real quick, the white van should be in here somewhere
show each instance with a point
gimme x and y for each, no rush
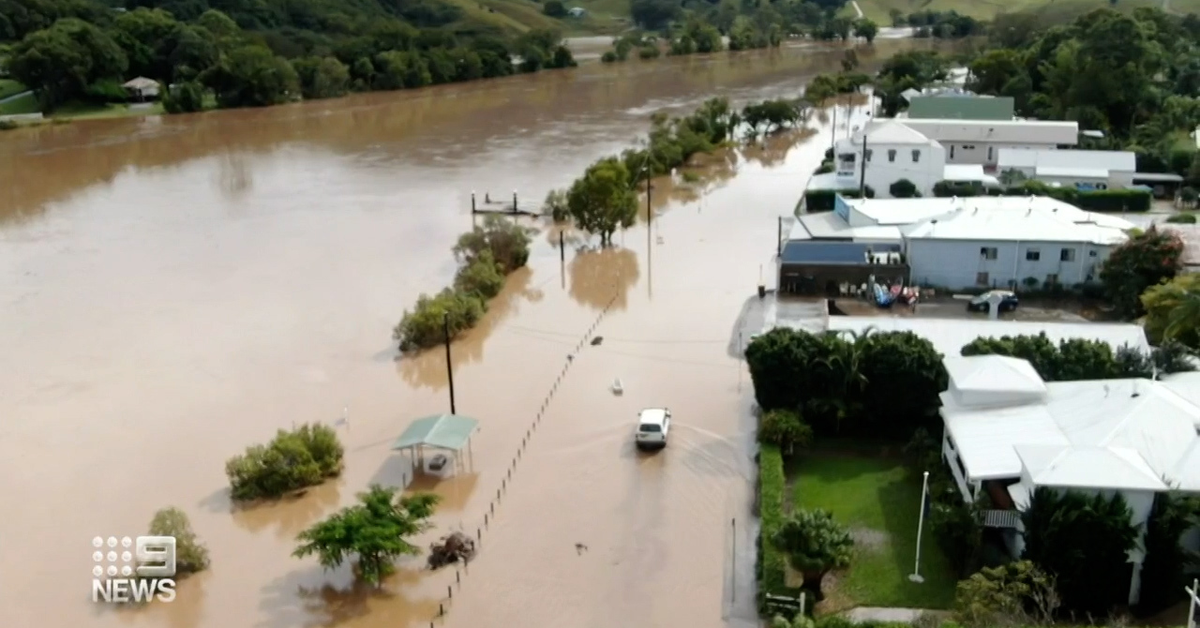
(653, 426)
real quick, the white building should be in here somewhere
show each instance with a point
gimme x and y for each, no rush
(1010, 242)
(1009, 433)
(976, 242)
(893, 152)
(1093, 169)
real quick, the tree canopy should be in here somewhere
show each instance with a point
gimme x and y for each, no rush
(815, 544)
(374, 532)
(1173, 310)
(258, 53)
(1145, 260)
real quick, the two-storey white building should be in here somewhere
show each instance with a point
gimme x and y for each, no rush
(890, 151)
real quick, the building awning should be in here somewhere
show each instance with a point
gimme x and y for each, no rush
(443, 431)
(1157, 177)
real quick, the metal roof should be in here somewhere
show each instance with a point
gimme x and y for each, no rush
(1071, 173)
(1105, 160)
(967, 172)
(1124, 433)
(831, 253)
(961, 107)
(444, 431)
(1037, 132)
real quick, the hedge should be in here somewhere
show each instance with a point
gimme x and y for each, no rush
(1091, 200)
(772, 485)
(823, 200)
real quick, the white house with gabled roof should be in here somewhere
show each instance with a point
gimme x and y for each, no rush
(893, 151)
(980, 141)
(1008, 433)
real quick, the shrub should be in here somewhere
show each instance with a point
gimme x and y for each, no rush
(1084, 543)
(1013, 595)
(555, 205)
(649, 51)
(772, 484)
(507, 241)
(1182, 219)
(186, 97)
(1079, 358)
(608, 57)
(823, 200)
(959, 532)
(190, 554)
(1142, 261)
(815, 544)
(904, 189)
(482, 278)
(1091, 200)
(430, 319)
(784, 429)
(303, 457)
(1163, 577)
(554, 8)
(7, 125)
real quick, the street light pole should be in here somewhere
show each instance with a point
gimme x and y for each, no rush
(449, 366)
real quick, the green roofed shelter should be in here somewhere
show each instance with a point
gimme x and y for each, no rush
(450, 432)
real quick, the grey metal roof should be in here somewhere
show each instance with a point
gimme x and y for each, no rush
(831, 253)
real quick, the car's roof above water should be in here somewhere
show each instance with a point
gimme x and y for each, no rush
(656, 416)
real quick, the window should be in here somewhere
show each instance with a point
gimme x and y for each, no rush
(1051, 279)
(990, 149)
(1092, 254)
(1032, 255)
(1066, 255)
(649, 428)
(988, 252)
(968, 147)
(981, 279)
(952, 151)
(891, 155)
(869, 153)
(916, 156)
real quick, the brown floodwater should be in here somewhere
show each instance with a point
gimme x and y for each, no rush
(174, 289)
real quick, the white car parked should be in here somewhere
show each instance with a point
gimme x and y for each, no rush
(653, 426)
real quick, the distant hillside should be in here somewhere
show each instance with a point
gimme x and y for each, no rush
(1053, 11)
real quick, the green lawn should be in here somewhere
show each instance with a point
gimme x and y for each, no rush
(8, 87)
(880, 503)
(22, 104)
(76, 110)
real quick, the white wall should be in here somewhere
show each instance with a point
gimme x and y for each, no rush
(882, 172)
(977, 152)
(955, 264)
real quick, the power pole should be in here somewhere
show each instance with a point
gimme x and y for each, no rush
(449, 366)
(862, 181)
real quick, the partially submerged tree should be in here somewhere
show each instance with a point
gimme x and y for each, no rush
(303, 457)
(190, 554)
(603, 201)
(374, 532)
(815, 544)
(785, 429)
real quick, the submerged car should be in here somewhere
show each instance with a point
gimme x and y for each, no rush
(1008, 301)
(653, 426)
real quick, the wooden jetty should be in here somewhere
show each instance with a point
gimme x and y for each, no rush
(489, 206)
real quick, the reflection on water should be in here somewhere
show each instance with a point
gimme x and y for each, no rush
(178, 288)
(597, 276)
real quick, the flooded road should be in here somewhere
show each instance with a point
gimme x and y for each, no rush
(175, 289)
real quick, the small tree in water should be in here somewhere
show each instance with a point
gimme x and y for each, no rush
(815, 545)
(603, 201)
(190, 554)
(376, 531)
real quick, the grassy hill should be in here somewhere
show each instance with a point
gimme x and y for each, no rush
(603, 16)
(1052, 11)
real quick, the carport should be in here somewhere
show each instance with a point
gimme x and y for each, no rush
(818, 268)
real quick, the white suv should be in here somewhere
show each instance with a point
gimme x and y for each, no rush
(652, 429)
